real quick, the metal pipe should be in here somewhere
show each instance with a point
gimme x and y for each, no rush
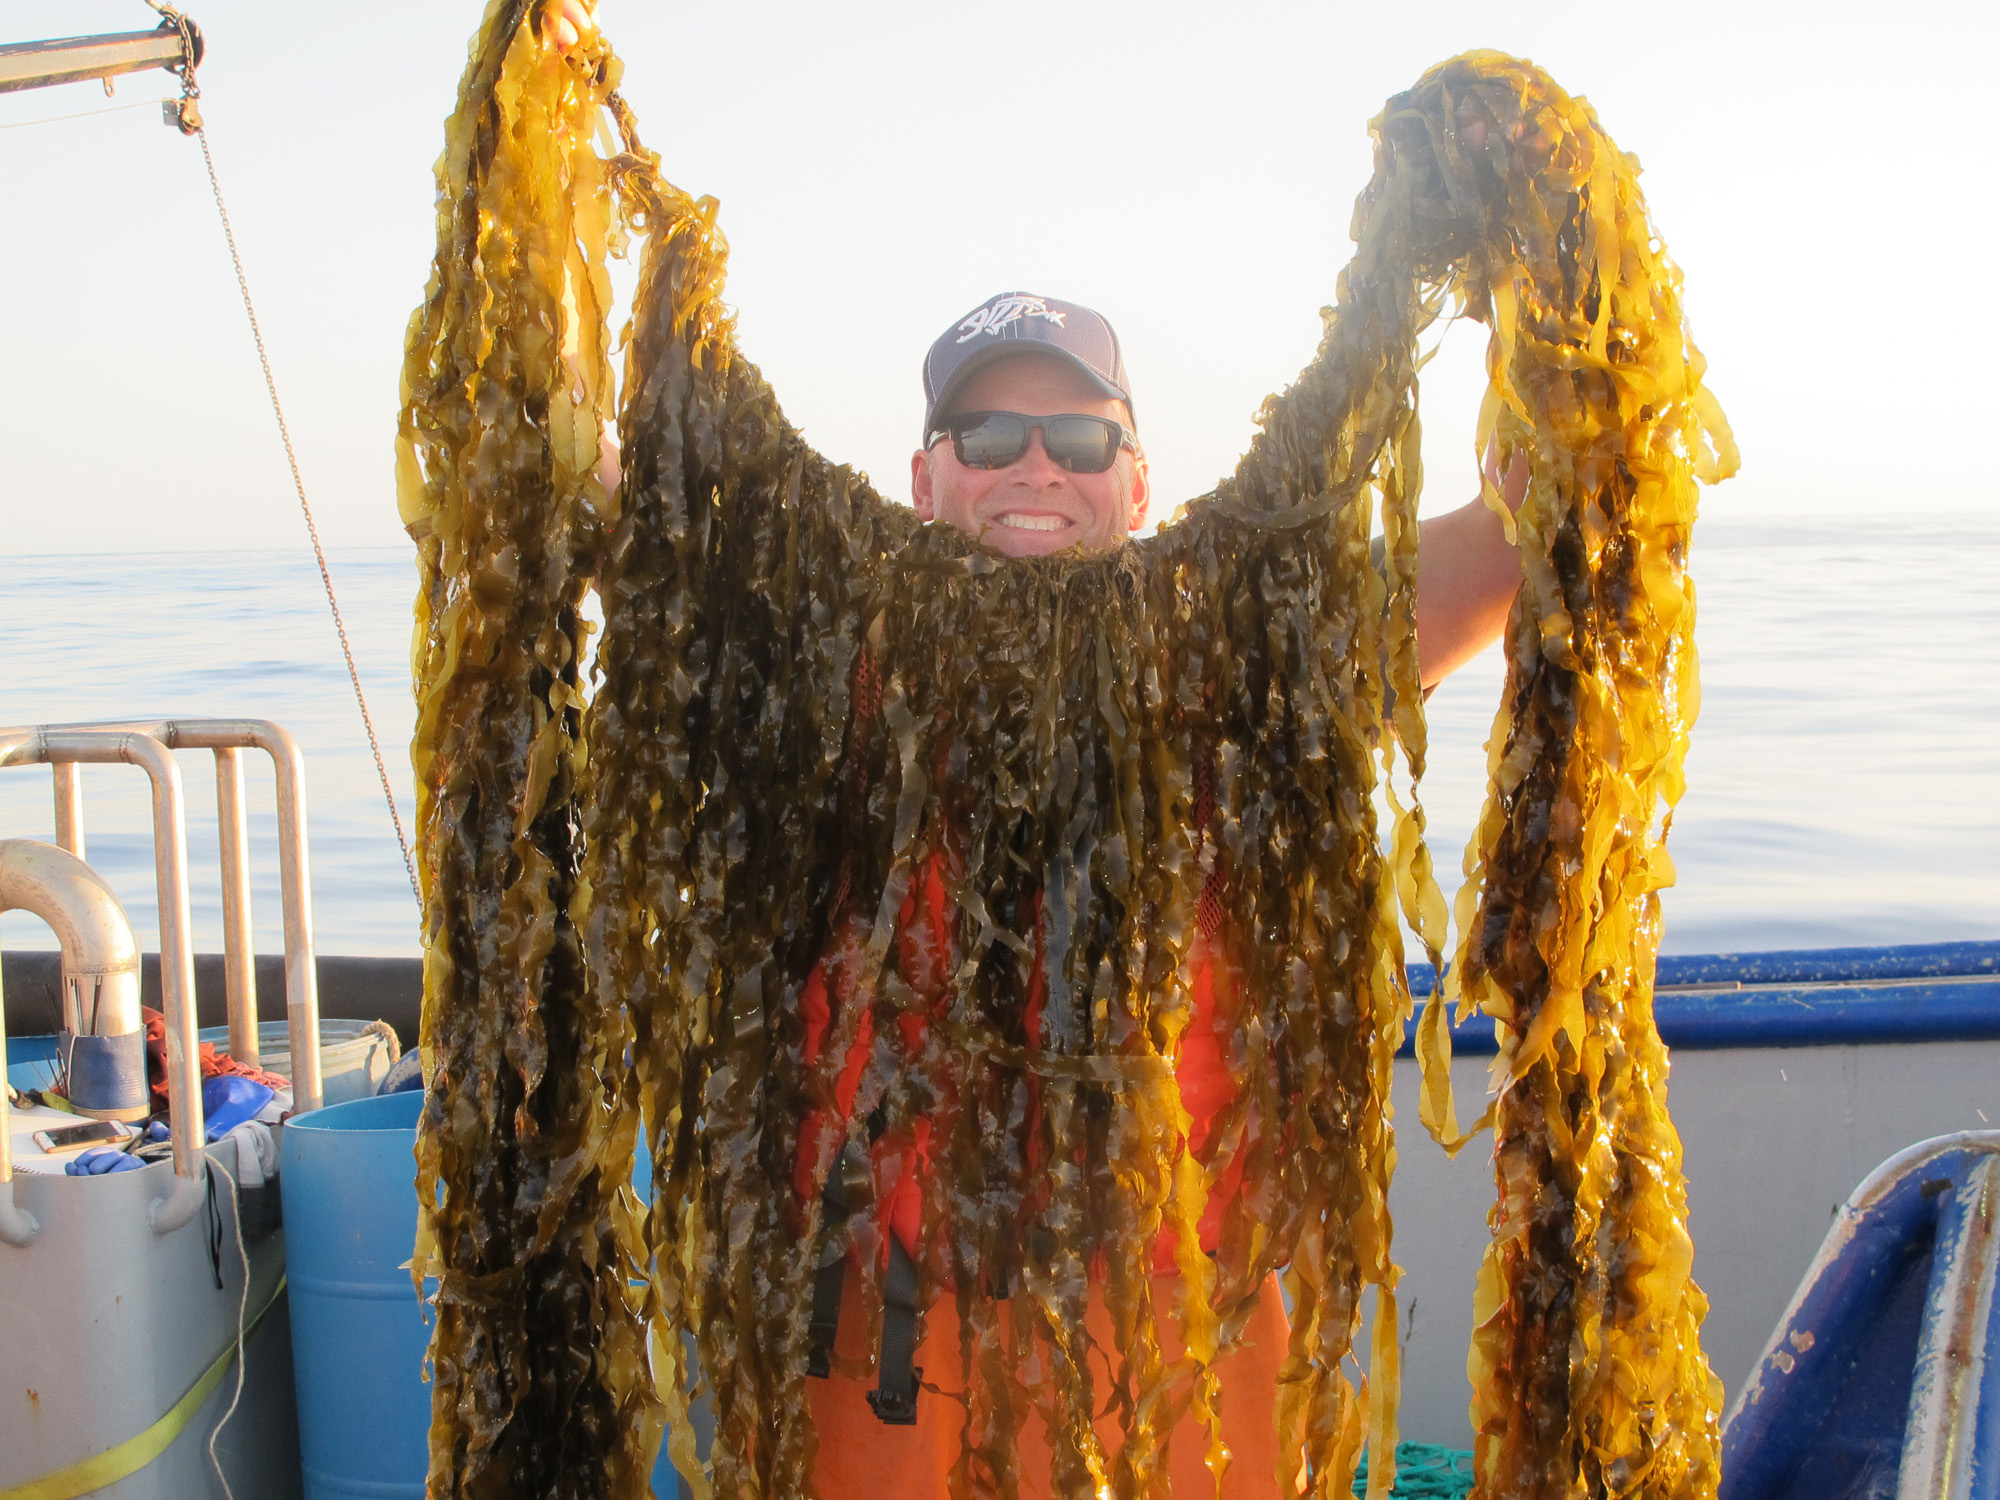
(294, 876)
(100, 960)
(294, 869)
(69, 808)
(18, 1227)
(38, 746)
(1943, 1448)
(294, 864)
(78, 59)
(239, 954)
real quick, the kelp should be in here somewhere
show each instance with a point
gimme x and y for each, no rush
(1586, 1364)
(538, 1356)
(1036, 728)
(807, 708)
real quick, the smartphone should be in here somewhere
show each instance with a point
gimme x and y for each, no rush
(76, 1137)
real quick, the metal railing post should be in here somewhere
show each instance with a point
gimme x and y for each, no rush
(239, 953)
(69, 807)
(294, 871)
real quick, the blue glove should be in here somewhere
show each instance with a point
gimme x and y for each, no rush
(100, 1160)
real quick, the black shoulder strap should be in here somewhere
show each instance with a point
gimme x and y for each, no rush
(895, 1398)
(825, 1326)
(846, 1189)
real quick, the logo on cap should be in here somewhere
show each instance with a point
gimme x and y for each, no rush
(998, 313)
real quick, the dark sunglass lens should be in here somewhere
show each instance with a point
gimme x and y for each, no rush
(989, 440)
(1083, 445)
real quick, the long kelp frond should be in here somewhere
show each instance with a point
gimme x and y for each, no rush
(1587, 1370)
(523, 1162)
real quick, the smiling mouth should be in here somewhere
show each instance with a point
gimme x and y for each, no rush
(1017, 521)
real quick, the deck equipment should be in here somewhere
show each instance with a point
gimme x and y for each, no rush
(128, 1299)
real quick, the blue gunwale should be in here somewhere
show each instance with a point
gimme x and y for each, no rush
(1808, 997)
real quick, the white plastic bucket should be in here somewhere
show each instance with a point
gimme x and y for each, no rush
(352, 1057)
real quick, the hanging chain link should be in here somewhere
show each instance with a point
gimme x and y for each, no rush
(185, 113)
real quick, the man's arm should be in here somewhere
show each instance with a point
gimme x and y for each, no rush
(1467, 576)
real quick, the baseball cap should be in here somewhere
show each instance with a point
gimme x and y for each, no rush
(1018, 323)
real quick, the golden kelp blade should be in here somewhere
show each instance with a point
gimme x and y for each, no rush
(540, 1377)
(1587, 1371)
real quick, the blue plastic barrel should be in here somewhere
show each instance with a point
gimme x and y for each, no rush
(358, 1331)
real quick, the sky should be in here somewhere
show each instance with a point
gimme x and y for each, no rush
(1823, 174)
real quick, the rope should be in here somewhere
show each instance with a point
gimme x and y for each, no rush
(85, 114)
(242, 1309)
(191, 124)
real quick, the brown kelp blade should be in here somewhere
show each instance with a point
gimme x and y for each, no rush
(1588, 1376)
(538, 1357)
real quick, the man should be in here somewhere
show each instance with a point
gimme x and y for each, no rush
(1033, 356)
(1030, 444)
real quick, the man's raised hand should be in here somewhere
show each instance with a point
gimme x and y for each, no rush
(576, 23)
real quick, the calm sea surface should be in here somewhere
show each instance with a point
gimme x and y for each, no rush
(1844, 785)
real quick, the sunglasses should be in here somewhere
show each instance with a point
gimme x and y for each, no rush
(996, 439)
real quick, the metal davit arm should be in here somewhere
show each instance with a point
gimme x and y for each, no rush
(77, 59)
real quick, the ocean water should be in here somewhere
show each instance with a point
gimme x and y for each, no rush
(1844, 782)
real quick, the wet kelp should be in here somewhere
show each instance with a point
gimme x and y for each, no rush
(539, 1355)
(1587, 1371)
(810, 709)
(808, 703)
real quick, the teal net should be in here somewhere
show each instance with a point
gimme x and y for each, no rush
(1425, 1471)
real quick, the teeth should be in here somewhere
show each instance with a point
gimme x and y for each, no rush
(1033, 523)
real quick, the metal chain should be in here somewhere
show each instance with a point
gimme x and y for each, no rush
(188, 117)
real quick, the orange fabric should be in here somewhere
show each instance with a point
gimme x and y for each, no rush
(925, 950)
(861, 1458)
(900, 1161)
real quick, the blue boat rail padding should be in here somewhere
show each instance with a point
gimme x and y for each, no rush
(1883, 1376)
(1815, 997)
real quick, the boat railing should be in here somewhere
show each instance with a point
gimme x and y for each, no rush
(149, 744)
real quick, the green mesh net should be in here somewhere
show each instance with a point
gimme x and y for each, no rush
(1425, 1471)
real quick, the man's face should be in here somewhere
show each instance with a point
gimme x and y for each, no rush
(1034, 506)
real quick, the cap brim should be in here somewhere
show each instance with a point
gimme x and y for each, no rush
(1015, 349)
